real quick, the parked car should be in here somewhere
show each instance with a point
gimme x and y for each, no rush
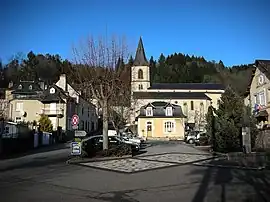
(202, 139)
(129, 136)
(191, 137)
(94, 144)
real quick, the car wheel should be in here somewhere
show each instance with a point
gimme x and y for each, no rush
(191, 141)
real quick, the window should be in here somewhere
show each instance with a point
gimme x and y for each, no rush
(6, 130)
(52, 91)
(140, 86)
(19, 106)
(149, 111)
(30, 87)
(140, 74)
(85, 128)
(82, 110)
(260, 98)
(88, 112)
(20, 87)
(191, 105)
(18, 119)
(169, 127)
(169, 111)
(260, 79)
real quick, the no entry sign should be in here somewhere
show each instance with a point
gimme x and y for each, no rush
(75, 120)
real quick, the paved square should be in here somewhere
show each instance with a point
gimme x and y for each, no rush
(128, 165)
(176, 158)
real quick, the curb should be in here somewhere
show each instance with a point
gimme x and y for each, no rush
(76, 161)
(229, 167)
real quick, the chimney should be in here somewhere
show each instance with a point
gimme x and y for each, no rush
(62, 83)
(10, 85)
(41, 84)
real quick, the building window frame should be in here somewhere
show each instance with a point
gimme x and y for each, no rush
(191, 105)
(169, 111)
(169, 126)
(140, 74)
(149, 111)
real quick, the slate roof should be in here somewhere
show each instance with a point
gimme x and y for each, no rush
(171, 95)
(188, 86)
(25, 88)
(159, 110)
(58, 96)
(140, 58)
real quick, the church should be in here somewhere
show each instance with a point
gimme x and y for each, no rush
(167, 109)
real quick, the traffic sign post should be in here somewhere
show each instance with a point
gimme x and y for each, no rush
(76, 144)
(76, 148)
(75, 120)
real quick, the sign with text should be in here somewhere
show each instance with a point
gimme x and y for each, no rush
(76, 148)
(80, 133)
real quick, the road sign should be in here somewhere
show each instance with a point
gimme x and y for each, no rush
(75, 120)
(76, 148)
(80, 133)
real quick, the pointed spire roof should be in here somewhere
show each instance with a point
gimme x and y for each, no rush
(140, 59)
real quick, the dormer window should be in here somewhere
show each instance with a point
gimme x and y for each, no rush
(149, 111)
(30, 87)
(52, 91)
(20, 86)
(169, 111)
(261, 79)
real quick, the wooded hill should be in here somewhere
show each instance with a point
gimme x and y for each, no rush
(175, 68)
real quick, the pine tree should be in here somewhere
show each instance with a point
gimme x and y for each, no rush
(228, 122)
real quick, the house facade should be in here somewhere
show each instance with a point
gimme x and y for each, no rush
(193, 98)
(28, 100)
(161, 120)
(258, 93)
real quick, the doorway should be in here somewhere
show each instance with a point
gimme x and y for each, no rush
(149, 128)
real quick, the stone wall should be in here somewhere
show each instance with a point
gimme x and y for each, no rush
(263, 139)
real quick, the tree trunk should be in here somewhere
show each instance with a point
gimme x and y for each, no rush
(105, 124)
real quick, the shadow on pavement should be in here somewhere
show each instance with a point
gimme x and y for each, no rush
(221, 178)
(37, 162)
(36, 151)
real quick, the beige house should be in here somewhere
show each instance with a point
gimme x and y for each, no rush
(193, 98)
(258, 93)
(161, 120)
(28, 100)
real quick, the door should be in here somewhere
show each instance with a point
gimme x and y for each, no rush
(149, 129)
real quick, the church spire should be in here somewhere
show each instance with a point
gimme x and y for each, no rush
(140, 59)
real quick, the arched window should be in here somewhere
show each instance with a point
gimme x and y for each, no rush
(140, 74)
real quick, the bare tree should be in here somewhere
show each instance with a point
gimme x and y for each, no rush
(97, 77)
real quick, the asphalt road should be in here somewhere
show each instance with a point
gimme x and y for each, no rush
(46, 177)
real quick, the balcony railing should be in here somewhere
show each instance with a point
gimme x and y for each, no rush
(53, 112)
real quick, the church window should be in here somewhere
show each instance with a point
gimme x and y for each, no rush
(191, 105)
(140, 86)
(140, 74)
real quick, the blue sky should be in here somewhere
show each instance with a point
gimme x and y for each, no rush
(234, 31)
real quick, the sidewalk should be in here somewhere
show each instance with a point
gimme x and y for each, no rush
(42, 154)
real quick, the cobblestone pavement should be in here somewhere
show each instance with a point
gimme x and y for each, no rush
(146, 163)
